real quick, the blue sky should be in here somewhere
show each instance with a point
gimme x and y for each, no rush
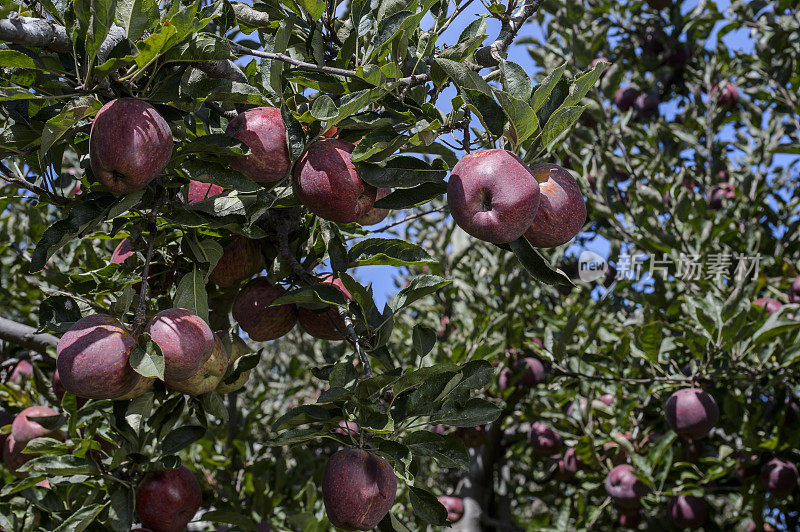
(382, 278)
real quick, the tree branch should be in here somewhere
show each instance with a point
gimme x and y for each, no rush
(10, 178)
(152, 227)
(25, 336)
(492, 54)
(302, 65)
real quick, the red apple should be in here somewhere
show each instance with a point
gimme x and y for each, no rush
(687, 511)
(525, 373)
(240, 260)
(625, 488)
(768, 304)
(493, 195)
(376, 214)
(544, 439)
(646, 105)
(453, 505)
(327, 183)
(624, 98)
(92, 358)
(186, 342)
(358, 489)
(778, 477)
(561, 212)
(325, 323)
(129, 145)
(199, 191)
(167, 500)
(725, 93)
(22, 371)
(252, 311)
(263, 131)
(692, 413)
(630, 520)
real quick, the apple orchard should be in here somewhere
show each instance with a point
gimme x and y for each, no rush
(195, 193)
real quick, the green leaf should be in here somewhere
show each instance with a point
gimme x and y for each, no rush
(547, 85)
(382, 141)
(137, 16)
(323, 108)
(73, 112)
(387, 251)
(102, 19)
(520, 114)
(229, 517)
(423, 338)
(200, 47)
(516, 81)
(560, 121)
(59, 465)
(536, 265)
(191, 293)
(80, 219)
(463, 77)
(146, 358)
(474, 412)
(427, 507)
(583, 84)
(314, 8)
(401, 171)
(419, 287)
(448, 451)
(181, 438)
(120, 511)
(81, 519)
(15, 59)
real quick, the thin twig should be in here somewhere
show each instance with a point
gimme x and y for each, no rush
(152, 227)
(408, 219)
(10, 178)
(302, 65)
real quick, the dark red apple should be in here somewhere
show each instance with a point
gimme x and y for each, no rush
(326, 323)
(692, 413)
(92, 358)
(570, 463)
(22, 371)
(240, 260)
(544, 440)
(208, 376)
(358, 489)
(326, 181)
(347, 428)
(630, 520)
(769, 305)
(167, 500)
(561, 212)
(186, 341)
(199, 191)
(778, 477)
(129, 144)
(747, 465)
(493, 195)
(794, 291)
(725, 93)
(721, 193)
(263, 131)
(376, 214)
(687, 511)
(253, 313)
(453, 505)
(525, 373)
(624, 98)
(625, 488)
(646, 105)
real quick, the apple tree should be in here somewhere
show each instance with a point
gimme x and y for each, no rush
(192, 190)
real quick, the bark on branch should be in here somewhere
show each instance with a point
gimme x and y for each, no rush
(25, 336)
(492, 54)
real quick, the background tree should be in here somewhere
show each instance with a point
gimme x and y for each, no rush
(686, 168)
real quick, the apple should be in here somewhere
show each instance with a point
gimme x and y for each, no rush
(328, 184)
(525, 373)
(208, 376)
(22, 371)
(376, 214)
(747, 465)
(570, 463)
(725, 93)
(59, 390)
(186, 342)
(630, 520)
(347, 428)
(625, 488)
(23, 430)
(326, 323)
(129, 145)
(687, 511)
(199, 191)
(720, 193)
(624, 98)
(167, 500)
(240, 260)
(646, 105)
(561, 212)
(493, 195)
(144, 384)
(358, 489)
(238, 348)
(263, 131)
(253, 313)
(794, 291)
(769, 305)
(692, 413)
(453, 505)
(544, 439)
(92, 358)
(778, 477)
